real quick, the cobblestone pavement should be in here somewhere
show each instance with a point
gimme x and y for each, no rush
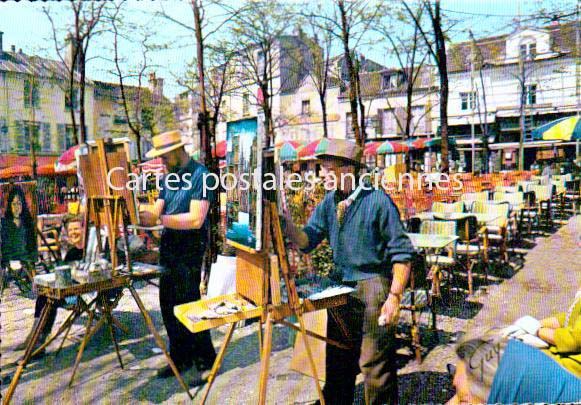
(545, 284)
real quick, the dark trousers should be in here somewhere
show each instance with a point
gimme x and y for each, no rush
(180, 285)
(41, 302)
(373, 348)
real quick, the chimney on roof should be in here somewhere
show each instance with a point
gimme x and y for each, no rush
(13, 48)
(20, 51)
(156, 86)
(70, 50)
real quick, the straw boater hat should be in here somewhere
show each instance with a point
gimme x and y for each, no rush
(164, 143)
(342, 149)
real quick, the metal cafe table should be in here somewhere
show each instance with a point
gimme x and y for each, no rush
(482, 219)
(431, 243)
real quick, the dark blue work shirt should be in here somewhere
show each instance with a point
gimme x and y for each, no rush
(185, 246)
(370, 239)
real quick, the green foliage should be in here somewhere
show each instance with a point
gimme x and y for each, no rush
(301, 204)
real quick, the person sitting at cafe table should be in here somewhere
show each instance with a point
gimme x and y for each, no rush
(74, 252)
(18, 231)
(372, 253)
(531, 361)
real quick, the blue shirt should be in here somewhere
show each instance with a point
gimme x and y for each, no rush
(370, 239)
(185, 246)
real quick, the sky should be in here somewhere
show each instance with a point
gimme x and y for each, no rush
(26, 26)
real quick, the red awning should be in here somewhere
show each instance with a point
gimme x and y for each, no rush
(15, 171)
(9, 160)
(371, 148)
(294, 144)
(68, 157)
(309, 149)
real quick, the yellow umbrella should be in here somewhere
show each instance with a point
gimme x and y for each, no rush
(563, 129)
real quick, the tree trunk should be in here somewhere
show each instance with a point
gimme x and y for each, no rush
(352, 76)
(444, 89)
(205, 146)
(206, 140)
(72, 109)
(324, 111)
(363, 132)
(31, 137)
(82, 118)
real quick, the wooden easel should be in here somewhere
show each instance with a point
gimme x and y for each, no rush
(262, 271)
(104, 208)
(111, 209)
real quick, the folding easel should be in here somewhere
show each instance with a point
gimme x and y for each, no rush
(104, 209)
(258, 281)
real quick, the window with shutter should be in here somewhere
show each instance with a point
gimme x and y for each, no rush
(21, 142)
(4, 139)
(388, 122)
(46, 140)
(61, 136)
(69, 137)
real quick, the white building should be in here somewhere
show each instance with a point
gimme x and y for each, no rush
(542, 59)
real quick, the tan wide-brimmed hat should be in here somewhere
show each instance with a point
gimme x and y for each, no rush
(164, 143)
(342, 149)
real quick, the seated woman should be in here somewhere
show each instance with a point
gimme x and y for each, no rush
(74, 252)
(503, 366)
(18, 232)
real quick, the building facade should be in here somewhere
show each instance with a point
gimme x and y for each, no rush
(493, 79)
(34, 106)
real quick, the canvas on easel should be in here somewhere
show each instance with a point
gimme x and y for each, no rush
(243, 204)
(105, 174)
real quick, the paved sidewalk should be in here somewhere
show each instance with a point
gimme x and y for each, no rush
(546, 284)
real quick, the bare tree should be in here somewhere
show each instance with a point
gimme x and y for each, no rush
(437, 48)
(478, 63)
(208, 85)
(32, 136)
(86, 20)
(319, 65)
(411, 57)
(133, 99)
(349, 22)
(259, 31)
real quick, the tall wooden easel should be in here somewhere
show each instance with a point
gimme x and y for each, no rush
(110, 208)
(258, 280)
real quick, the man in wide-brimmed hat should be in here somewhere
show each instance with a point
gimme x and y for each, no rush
(182, 209)
(371, 253)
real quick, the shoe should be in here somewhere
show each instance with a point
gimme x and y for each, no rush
(167, 372)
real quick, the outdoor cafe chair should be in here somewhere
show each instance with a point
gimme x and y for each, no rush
(507, 189)
(49, 242)
(469, 247)
(529, 214)
(572, 195)
(543, 197)
(469, 198)
(446, 208)
(496, 230)
(516, 203)
(415, 299)
(435, 260)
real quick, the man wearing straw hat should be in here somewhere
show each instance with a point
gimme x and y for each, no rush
(182, 209)
(372, 254)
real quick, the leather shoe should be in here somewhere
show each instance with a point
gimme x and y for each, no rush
(167, 372)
